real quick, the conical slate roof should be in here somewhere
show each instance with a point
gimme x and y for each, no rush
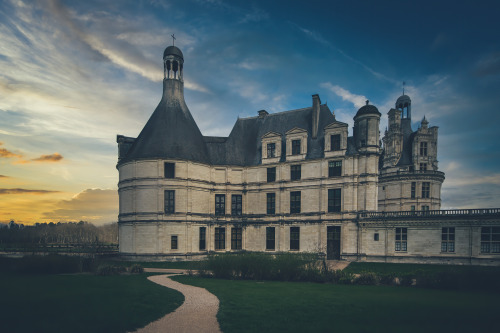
(171, 131)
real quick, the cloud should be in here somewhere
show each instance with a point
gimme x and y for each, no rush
(346, 95)
(256, 15)
(488, 65)
(56, 157)
(5, 191)
(98, 206)
(3, 176)
(7, 153)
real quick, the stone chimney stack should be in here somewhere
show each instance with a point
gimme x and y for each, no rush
(315, 115)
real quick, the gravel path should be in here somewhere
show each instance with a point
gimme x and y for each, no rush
(196, 314)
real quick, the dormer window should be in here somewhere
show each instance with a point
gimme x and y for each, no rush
(295, 147)
(271, 150)
(335, 142)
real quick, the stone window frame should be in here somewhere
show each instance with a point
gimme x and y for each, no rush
(270, 238)
(426, 190)
(448, 239)
(413, 190)
(291, 136)
(334, 170)
(423, 148)
(334, 200)
(271, 174)
(401, 240)
(169, 201)
(295, 202)
(271, 203)
(236, 238)
(490, 239)
(169, 170)
(202, 239)
(236, 204)
(271, 138)
(335, 128)
(174, 242)
(294, 238)
(295, 172)
(220, 238)
(220, 206)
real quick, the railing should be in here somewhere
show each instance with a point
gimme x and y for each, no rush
(430, 213)
(415, 172)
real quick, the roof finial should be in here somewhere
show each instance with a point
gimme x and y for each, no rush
(404, 87)
(173, 39)
(367, 101)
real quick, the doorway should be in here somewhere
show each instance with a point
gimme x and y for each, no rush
(333, 243)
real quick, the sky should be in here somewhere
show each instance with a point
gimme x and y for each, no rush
(74, 74)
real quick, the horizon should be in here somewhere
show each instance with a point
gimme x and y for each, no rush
(74, 75)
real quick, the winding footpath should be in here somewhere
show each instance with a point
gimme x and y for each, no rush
(196, 314)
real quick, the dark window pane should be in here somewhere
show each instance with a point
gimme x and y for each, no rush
(169, 170)
(295, 147)
(236, 237)
(334, 200)
(173, 243)
(271, 203)
(335, 142)
(295, 172)
(294, 238)
(270, 238)
(236, 205)
(271, 174)
(271, 150)
(220, 204)
(334, 168)
(295, 202)
(220, 238)
(203, 238)
(169, 201)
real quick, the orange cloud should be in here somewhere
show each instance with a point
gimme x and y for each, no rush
(4, 191)
(3, 176)
(56, 157)
(7, 153)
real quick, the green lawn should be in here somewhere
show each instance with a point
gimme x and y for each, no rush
(386, 268)
(252, 306)
(82, 303)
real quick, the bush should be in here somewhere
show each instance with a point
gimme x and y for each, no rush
(106, 269)
(367, 279)
(50, 264)
(136, 269)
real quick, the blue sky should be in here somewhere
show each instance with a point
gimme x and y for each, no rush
(73, 74)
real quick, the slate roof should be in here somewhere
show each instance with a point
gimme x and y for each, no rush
(406, 155)
(243, 147)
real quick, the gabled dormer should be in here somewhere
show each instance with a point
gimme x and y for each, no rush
(271, 147)
(335, 139)
(296, 144)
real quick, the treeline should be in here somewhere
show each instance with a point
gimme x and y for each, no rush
(70, 233)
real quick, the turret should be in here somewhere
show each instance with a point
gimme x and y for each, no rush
(366, 129)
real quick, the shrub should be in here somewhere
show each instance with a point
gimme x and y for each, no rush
(367, 278)
(388, 279)
(136, 269)
(106, 269)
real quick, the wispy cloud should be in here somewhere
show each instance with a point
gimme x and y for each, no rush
(346, 95)
(4, 176)
(56, 157)
(5, 191)
(93, 205)
(5, 153)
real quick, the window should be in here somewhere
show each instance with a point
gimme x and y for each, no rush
(173, 242)
(413, 208)
(448, 240)
(169, 170)
(236, 206)
(295, 202)
(334, 168)
(490, 240)
(295, 147)
(294, 238)
(423, 166)
(425, 208)
(375, 237)
(334, 200)
(169, 202)
(271, 174)
(426, 189)
(203, 238)
(271, 203)
(413, 189)
(270, 238)
(401, 239)
(335, 142)
(271, 150)
(220, 204)
(423, 148)
(235, 238)
(220, 238)
(295, 172)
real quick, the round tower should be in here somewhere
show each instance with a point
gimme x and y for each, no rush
(366, 128)
(403, 103)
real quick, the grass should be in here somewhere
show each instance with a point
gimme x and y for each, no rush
(401, 269)
(82, 303)
(253, 306)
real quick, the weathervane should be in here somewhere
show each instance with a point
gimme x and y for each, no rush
(173, 39)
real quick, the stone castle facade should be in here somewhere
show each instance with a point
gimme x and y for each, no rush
(290, 181)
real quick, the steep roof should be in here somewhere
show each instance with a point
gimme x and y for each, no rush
(170, 132)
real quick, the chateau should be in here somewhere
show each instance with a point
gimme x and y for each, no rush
(292, 181)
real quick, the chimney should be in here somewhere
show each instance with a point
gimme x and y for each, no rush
(315, 115)
(263, 113)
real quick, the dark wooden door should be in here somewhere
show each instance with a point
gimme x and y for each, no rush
(333, 243)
